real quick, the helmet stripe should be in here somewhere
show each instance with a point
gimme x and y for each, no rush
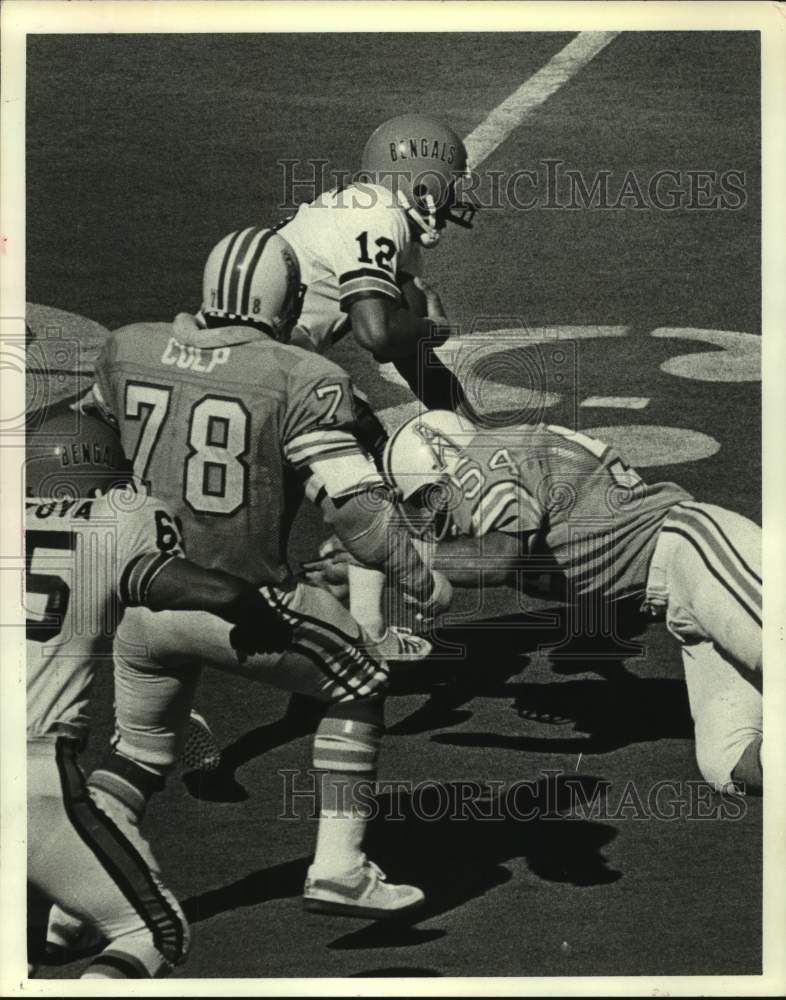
(245, 300)
(223, 271)
(237, 268)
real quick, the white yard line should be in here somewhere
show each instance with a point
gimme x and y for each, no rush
(508, 115)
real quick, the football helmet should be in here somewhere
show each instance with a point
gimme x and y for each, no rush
(419, 160)
(253, 276)
(75, 455)
(419, 463)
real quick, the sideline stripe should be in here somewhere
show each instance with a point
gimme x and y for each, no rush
(508, 115)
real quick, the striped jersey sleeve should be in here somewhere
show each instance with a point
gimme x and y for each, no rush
(367, 246)
(320, 434)
(148, 539)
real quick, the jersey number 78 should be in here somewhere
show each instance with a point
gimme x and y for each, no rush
(215, 472)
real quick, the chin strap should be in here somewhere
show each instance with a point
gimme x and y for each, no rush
(429, 235)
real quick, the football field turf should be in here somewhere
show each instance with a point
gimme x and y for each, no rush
(142, 152)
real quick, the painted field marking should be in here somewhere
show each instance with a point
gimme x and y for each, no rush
(738, 358)
(508, 115)
(617, 402)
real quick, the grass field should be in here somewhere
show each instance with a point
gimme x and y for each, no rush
(141, 153)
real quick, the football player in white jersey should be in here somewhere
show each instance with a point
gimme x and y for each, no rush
(539, 499)
(359, 249)
(96, 547)
(360, 253)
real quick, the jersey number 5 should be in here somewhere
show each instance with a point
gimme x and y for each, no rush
(47, 592)
(215, 472)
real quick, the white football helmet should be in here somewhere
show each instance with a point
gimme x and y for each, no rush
(253, 276)
(420, 461)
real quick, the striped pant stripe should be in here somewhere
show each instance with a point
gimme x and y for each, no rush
(336, 654)
(120, 859)
(692, 522)
(671, 529)
(705, 514)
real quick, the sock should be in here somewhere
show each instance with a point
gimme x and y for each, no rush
(366, 592)
(748, 770)
(346, 748)
(127, 781)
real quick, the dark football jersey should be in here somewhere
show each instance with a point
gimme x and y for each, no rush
(575, 503)
(227, 425)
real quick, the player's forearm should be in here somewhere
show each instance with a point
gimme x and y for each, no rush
(496, 555)
(384, 329)
(369, 532)
(184, 586)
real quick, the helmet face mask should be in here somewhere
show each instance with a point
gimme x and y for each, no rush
(282, 326)
(420, 160)
(428, 511)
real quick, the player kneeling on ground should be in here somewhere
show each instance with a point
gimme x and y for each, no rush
(541, 498)
(95, 548)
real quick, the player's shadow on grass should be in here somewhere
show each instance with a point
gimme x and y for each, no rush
(495, 650)
(604, 716)
(282, 881)
(459, 838)
(488, 664)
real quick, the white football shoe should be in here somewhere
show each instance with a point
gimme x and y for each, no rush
(398, 644)
(361, 893)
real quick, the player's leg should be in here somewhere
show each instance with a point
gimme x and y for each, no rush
(727, 717)
(430, 379)
(367, 586)
(709, 563)
(715, 577)
(328, 661)
(345, 753)
(82, 859)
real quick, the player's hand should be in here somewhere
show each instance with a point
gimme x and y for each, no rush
(435, 310)
(440, 600)
(330, 571)
(259, 629)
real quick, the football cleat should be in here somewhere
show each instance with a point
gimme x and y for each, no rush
(362, 893)
(69, 938)
(399, 644)
(201, 751)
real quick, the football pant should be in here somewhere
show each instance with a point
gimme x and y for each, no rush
(85, 856)
(706, 570)
(159, 657)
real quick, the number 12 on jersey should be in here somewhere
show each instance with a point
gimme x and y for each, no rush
(215, 472)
